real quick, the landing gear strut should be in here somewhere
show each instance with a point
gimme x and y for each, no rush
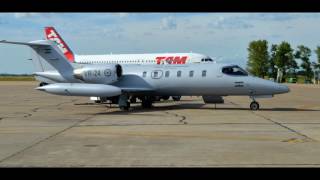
(254, 105)
(124, 104)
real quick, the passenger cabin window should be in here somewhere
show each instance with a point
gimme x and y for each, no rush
(204, 73)
(167, 74)
(179, 74)
(144, 74)
(234, 70)
(191, 73)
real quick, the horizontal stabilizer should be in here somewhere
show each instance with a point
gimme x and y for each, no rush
(50, 52)
(33, 43)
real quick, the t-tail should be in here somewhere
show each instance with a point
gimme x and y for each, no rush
(53, 35)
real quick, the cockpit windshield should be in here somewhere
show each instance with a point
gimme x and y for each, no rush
(234, 70)
(206, 60)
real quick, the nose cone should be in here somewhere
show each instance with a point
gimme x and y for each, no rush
(282, 89)
(267, 87)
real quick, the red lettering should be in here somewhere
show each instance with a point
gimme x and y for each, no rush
(159, 59)
(172, 59)
(180, 60)
(169, 59)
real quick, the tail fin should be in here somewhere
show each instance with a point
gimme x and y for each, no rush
(50, 53)
(53, 35)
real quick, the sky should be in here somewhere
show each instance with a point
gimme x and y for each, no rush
(222, 36)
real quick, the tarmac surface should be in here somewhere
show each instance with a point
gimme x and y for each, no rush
(43, 130)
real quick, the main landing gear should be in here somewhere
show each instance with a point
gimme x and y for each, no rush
(123, 102)
(254, 105)
(146, 101)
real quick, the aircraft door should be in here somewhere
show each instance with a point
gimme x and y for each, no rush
(156, 74)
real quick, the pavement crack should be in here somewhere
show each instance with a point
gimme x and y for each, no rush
(45, 139)
(35, 109)
(56, 105)
(307, 138)
(182, 119)
(286, 127)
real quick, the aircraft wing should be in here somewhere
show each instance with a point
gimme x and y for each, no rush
(136, 90)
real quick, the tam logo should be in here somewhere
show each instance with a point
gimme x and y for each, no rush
(171, 59)
(54, 37)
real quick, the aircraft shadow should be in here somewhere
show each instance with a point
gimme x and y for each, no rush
(139, 109)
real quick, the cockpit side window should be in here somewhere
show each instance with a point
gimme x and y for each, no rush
(234, 70)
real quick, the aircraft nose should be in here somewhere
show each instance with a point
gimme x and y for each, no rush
(283, 89)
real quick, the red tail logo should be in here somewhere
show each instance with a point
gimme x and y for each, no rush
(171, 59)
(52, 34)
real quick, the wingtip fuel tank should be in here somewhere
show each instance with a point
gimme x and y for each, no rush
(80, 89)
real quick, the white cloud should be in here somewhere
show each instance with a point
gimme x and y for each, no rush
(121, 15)
(281, 16)
(223, 35)
(229, 23)
(168, 23)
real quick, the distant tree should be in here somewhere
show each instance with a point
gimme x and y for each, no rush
(284, 58)
(317, 51)
(304, 54)
(258, 58)
(272, 71)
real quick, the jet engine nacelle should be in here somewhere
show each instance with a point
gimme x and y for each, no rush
(98, 74)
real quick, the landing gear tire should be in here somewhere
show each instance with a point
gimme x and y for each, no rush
(125, 108)
(176, 98)
(157, 98)
(254, 106)
(146, 102)
(165, 97)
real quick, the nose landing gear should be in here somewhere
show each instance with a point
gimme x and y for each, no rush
(254, 105)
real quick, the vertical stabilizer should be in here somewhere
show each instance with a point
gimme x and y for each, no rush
(53, 35)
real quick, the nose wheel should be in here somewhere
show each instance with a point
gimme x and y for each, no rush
(254, 105)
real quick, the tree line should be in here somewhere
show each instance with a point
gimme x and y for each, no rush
(280, 61)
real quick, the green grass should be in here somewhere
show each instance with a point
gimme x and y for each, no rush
(17, 78)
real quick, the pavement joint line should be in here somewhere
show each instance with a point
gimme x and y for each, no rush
(45, 139)
(174, 124)
(279, 124)
(189, 165)
(124, 125)
(57, 105)
(182, 120)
